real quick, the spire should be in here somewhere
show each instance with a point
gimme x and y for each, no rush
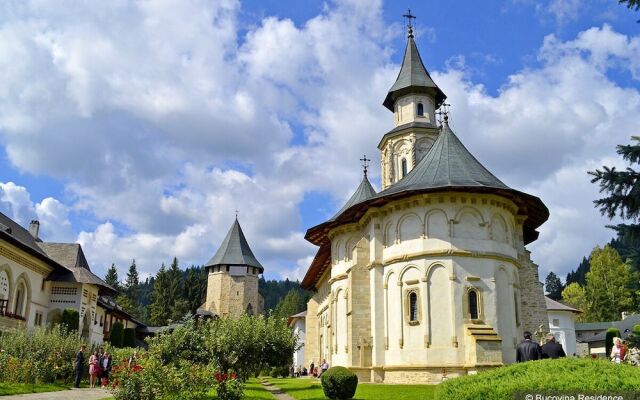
(413, 76)
(364, 192)
(235, 250)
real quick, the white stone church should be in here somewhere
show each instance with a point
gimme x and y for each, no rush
(429, 278)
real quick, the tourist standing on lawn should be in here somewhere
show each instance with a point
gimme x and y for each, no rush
(79, 365)
(528, 350)
(323, 367)
(94, 368)
(618, 352)
(552, 349)
(105, 365)
(311, 369)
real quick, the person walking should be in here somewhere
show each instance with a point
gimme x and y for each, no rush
(79, 365)
(312, 369)
(528, 350)
(94, 368)
(552, 349)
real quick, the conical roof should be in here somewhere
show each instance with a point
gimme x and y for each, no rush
(413, 78)
(364, 192)
(235, 250)
(447, 164)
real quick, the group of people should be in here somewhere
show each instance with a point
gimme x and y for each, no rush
(529, 350)
(100, 363)
(313, 370)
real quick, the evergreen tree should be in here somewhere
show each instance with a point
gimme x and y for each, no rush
(133, 281)
(553, 286)
(178, 305)
(580, 274)
(160, 309)
(111, 278)
(622, 189)
(607, 291)
(195, 287)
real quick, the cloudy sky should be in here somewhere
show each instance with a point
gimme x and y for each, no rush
(138, 128)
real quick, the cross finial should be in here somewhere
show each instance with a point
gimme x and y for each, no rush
(443, 113)
(409, 17)
(237, 214)
(365, 164)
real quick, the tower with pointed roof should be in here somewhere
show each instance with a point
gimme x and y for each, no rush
(413, 99)
(233, 274)
(431, 272)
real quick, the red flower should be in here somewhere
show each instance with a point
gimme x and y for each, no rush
(116, 383)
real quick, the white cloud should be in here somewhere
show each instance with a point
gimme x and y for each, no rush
(161, 134)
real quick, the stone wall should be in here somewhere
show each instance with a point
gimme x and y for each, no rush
(533, 307)
(360, 308)
(311, 345)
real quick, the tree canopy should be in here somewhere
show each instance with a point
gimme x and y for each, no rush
(553, 286)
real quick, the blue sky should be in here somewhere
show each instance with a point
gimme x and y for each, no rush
(138, 128)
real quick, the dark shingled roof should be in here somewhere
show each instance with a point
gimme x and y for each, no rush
(10, 228)
(413, 78)
(448, 163)
(71, 256)
(363, 192)
(235, 250)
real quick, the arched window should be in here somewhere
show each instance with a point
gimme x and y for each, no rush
(420, 110)
(249, 309)
(4, 285)
(404, 167)
(473, 304)
(413, 307)
(20, 294)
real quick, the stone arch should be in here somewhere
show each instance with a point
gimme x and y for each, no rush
(499, 229)
(341, 320)
(410, 227)
(438, 284)
(469, 224)
(392, 309)
(389, 234)
(6, 292)
(408, 269)
(350, 246)
(387, 279)
(436, 224)
(423, 145)
(85, 327)
(25, 307)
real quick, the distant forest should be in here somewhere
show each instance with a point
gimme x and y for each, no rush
(175, 292)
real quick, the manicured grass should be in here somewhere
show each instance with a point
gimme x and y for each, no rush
(310, 389)
(7, 389)
(253, 390)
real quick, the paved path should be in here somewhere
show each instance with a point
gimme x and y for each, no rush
(275, 391)
(73, 394)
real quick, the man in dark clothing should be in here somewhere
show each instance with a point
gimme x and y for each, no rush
(552, 349)
(79, 365)
(528, 350)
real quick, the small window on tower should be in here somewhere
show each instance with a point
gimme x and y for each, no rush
(420, 110)
(473, 304)
(413, 307)
(404, 167)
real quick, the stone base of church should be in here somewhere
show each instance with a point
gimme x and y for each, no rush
(415, 374)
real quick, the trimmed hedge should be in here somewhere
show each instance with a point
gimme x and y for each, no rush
(117, 335)
(338, 383)
(129, 339)
(564, 374)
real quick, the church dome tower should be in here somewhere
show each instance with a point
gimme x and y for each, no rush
(232, 285)
(413, 99)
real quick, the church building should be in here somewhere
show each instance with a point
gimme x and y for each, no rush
(233, 274)
(429, 278)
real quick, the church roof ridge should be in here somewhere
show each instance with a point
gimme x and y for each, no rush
(364, 192)
(447, 164)
(235, 250)
(413, 77)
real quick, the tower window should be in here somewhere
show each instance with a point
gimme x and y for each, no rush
(404, 167)
(249, 309)
(473, 304)
(420, 110)
(413, 307)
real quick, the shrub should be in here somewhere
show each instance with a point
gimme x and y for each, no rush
(70, 319)
(578, 375)
(339, 383)
(279, 372)
(611, 333)
(129, 339)
(117, 334)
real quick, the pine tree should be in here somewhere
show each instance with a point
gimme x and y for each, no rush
(111, 278)
(553, 286)
(622, 189)
(195, 287)
(160, 308)
(289, 305)
(133, 281)
(179, 306)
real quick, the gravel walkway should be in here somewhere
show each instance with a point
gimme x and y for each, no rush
(73, 394)
(276, 392)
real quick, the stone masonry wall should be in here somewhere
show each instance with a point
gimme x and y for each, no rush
(360, 307)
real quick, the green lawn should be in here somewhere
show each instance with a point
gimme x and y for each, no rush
(310, 389)
(253, 390)
(22, 388)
